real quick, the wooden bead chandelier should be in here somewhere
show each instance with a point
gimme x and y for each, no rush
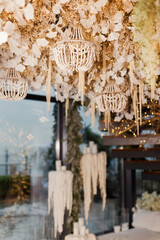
(112, 100)
(13, 87)
(75, 54)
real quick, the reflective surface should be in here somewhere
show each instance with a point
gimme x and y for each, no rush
(25, 139)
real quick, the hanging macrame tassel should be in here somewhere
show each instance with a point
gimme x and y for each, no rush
(93, 113)
(98, 57)
(82, 86)
(66, 108)
(141, 98)
(135, 102)
(48, 85)
(131, 74)
(153, 82)
(107, 120)
(137, 118)
(104, 58)
(136, 108)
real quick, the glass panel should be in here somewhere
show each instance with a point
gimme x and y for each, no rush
(25, 139)
(100, 222)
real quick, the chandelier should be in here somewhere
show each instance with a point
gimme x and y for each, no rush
(112, 100)
(75, 54)
(13, 87)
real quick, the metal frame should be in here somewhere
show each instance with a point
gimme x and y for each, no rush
(130, 168)
(131, 161)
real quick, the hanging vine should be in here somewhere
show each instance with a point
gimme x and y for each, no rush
(73, 156)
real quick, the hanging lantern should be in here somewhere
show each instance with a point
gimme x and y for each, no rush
(75, 54)
(13, 87)
(112, 100)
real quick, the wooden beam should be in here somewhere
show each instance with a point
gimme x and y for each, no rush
(139, 140)
(136, 153)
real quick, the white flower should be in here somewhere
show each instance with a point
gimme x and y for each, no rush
(3, 37)
(20, 67)
(113, 36)
(64, 1)
(87, 23)
(42, 42)
(35, 50)
(118, 17)
(104, 30)
(103, 38)
(96, 29)
(10, 6)
(128, 116)
(51, 34)
(56, 8)
(20, 3)
(118, 27)
(99, 4)
(30, 61)
(119, 80)
(29, 12)
(93, 10)
(9, 28)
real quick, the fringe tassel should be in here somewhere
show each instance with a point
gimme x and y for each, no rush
(48, 85)
(104, 58)
(82, 86)
(137, 118)
(135, 101)
(131, 73)
(107, 120)
(141, 98)
(66, 109)
(136, 108)
(93, 113)
(153, 82)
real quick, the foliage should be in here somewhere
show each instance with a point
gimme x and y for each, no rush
(89, 135)
(51, 156)
(73, 156)
(15, 187)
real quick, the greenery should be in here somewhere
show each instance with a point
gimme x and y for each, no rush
(51, 155)
(15, 187)
(73, 156)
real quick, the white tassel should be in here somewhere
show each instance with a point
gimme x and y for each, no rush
(93, 168)
(131, 74)
(153, 82)
(82, 86)
(48, 85)
(107, 120)
(104, 58)
(59, 197)
(66, 108)
(141, 98)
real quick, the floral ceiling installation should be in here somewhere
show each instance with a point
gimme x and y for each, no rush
(122, 31)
